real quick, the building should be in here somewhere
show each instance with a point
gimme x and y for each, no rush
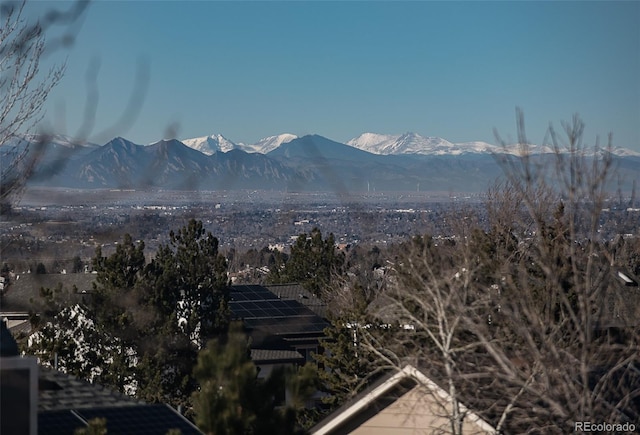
(282, 322)
(38, 400)
(403, 402)
(620, 309)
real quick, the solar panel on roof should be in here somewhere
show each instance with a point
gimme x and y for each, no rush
(261, 309)
(143, 419)
(273, 312)
(288, 326)
(58, 422)
(241, 314)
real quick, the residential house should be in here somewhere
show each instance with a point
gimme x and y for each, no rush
(280, 321)
(39, 400)
(403, 402)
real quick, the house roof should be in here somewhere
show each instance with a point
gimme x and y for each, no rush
(384, 393)
(140, 419)
(23, 291)
(274, 356)
(264, 313)
(296, 292)
(621, 305)
(62, 391)
(66, 403)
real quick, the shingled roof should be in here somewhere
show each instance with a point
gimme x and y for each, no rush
(66, 403)
(266, 356)
(23, 291)
(621, 305)
(61, 391)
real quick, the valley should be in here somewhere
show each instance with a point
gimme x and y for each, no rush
(53, 226)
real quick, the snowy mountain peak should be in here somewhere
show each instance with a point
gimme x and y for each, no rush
(51, 140)
(210, 144)
(216, 142)
(407, 143)
(413, 143)
(68, 141)
(375, 143)
(264, 145)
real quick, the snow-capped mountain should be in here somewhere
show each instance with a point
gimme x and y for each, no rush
(309, 163)
(210, 144)
(55, 141)
(624, 152)
(216, 142)
(64, 140)
(413, 143)
(407, 143)
(477, 147)
(52, 152)
(267, 144)
(380, 144)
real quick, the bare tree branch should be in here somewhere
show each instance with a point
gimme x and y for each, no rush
(24, 88)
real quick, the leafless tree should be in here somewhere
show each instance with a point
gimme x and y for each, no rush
(520, 315)
(425, 305)
(24, 88)
(558, 299)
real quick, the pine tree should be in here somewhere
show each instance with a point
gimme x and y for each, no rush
(201, 282)
(184, 290)
(312, 263)
(233, 400)
(147, 320)
(77, 265)
(228, 380)
(117, 276)
(96, 426)
(346, 366)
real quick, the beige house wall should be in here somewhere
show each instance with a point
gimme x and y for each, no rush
(416, 412)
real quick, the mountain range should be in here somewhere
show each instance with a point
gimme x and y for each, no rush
(369, 162)
(216, 142)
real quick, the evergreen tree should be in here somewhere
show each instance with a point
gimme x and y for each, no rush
(117, 276)
(201, 282)
(96, 426)
(184, 290)
(312, 262)
(120, 270)
(232, 400)
(77, 265)
(228, 380)
(102, 347)
(147, 321)
(347, 366)
(75, 344)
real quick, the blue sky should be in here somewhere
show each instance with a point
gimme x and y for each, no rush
(451, 69)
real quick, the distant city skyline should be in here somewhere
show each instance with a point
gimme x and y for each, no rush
(248, 70)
